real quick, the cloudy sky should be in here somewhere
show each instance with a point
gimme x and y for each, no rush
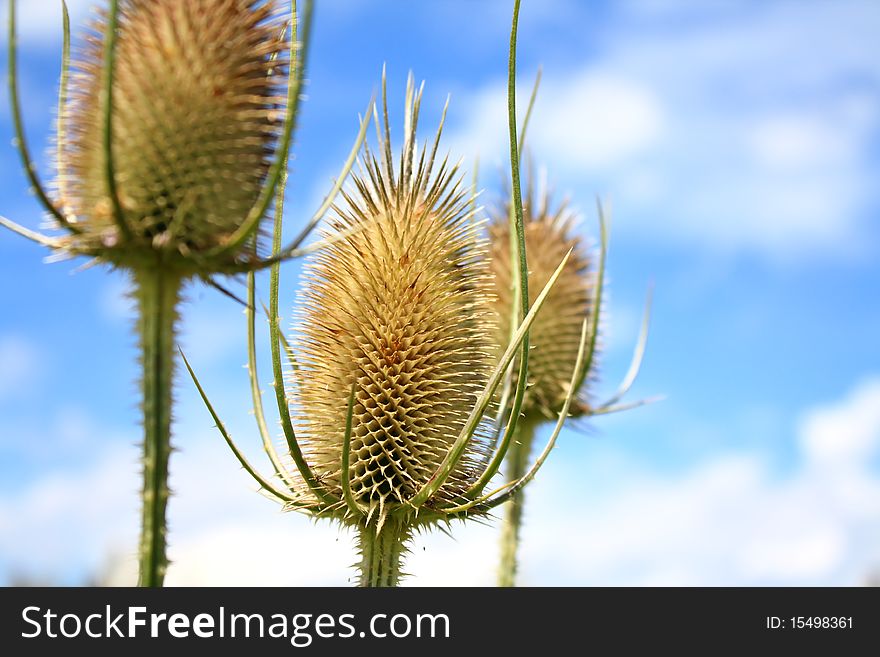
(738, 144)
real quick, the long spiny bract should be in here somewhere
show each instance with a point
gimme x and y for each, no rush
(401, 310)
(196, 118)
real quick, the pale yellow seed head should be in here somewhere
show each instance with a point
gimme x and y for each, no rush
(401, 309)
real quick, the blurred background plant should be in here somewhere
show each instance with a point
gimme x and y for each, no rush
(555, 337)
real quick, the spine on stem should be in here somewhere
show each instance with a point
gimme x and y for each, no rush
(158, 292)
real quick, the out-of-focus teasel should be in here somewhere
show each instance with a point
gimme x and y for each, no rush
(385, 412)
(174, 127)
(174, 124)
(555, 337)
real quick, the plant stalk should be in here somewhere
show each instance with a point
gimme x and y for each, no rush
(157, 291)
(382, 551)
(517, 464)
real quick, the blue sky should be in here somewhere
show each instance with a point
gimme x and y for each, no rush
(738, 144)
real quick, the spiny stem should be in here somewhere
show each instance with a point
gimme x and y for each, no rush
(158, 292)
(382, 550)
(517, 463)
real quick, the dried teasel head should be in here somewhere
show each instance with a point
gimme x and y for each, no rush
(556, 334)
(399, 312)
(197, 113)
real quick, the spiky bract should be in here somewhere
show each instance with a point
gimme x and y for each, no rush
(555, 335)
(401, 310)
(196, 116)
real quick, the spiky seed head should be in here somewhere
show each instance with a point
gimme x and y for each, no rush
(555, 336)
(401, 309)
(196, 116)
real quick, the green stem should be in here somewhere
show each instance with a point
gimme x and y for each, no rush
(382, 551)
(517, 464)
(158, 292)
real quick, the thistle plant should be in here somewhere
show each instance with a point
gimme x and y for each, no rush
(550, 230)
(385, 407)
(173, 131)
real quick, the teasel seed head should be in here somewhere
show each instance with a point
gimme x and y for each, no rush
(556, 333)
(197, 113)
(400, 311)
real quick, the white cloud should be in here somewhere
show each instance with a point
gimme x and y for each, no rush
(732, 131)
(727, 521)
(794, 554)
(796, 141)
(591, 121)
(844, 435)
(70, 521)
(289, 551)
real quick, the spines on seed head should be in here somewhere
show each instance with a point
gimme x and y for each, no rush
(401, 309)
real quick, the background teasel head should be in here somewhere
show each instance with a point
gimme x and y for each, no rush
(394, 366)
(555, 336)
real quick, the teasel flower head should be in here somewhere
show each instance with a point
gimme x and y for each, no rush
(400, 312)
(175, 120)
(385, 410)
(550, 233)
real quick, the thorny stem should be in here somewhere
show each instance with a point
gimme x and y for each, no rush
(382, 550)
(158, 292)
(517, 464)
